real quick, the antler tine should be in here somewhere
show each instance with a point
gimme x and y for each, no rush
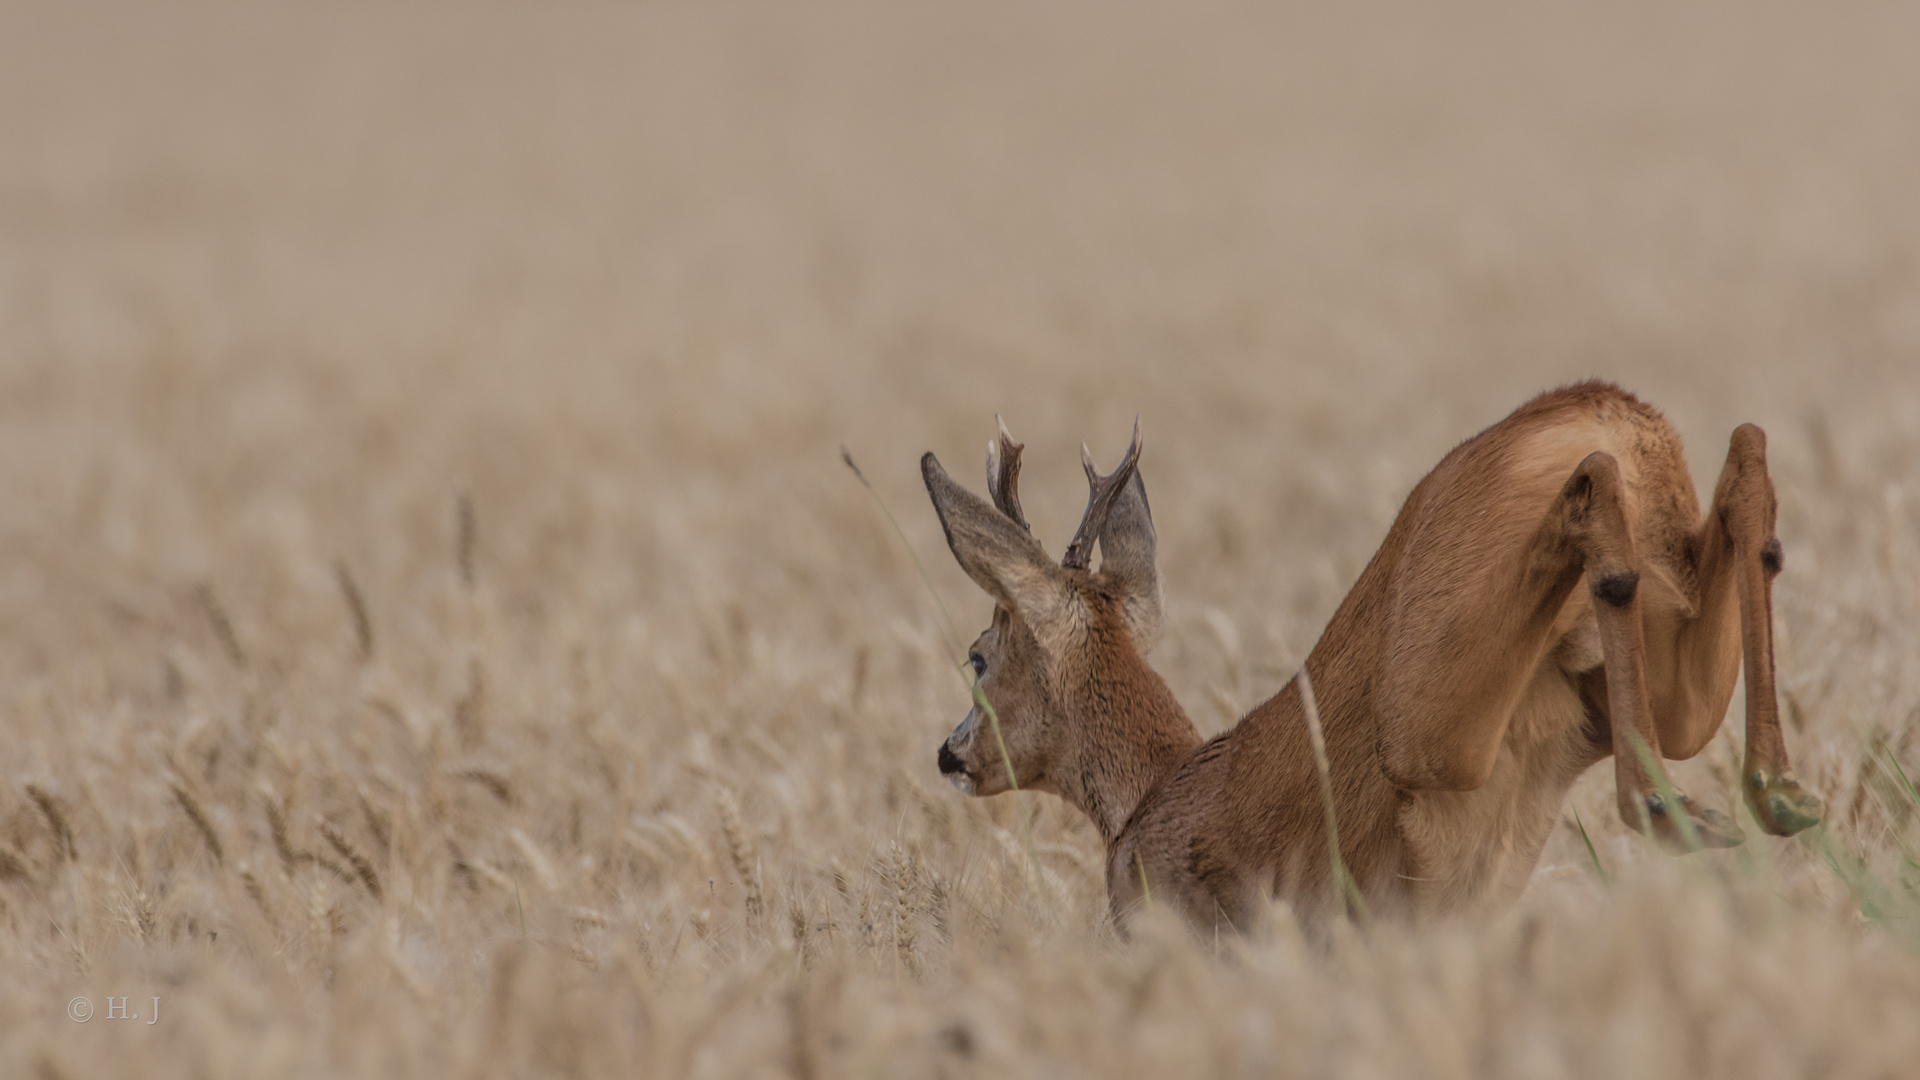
(1003, 474)
(1101, 491)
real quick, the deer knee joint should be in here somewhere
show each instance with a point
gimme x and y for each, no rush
(1617, 589)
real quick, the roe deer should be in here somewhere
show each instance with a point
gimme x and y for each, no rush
(1464, 683)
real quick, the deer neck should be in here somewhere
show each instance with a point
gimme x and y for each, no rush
(1132, 735)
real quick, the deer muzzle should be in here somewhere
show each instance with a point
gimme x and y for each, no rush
(954, 769)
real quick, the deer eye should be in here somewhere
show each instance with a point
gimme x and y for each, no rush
(979, 665)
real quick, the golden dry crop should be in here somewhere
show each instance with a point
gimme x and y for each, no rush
(438, 636)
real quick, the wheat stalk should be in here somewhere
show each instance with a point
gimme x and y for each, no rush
(461, 867)
(497, 783)
(740, 850)
(356, 608)
(868, 936)
(902, 871)
(290, 856)
(939, 905)
(379, 823)
(64, 848)
(139, 914)
(1346, 891)
(466, 539)
(258, 895)
(362, 867)
(222, 626)
(13, 864)
(536, 859)
(198, 815)
(800, 925)
(470, 712)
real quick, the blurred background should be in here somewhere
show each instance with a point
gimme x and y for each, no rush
(279, 277)
(284, 286)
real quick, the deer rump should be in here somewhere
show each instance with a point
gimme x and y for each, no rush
(1550, 595)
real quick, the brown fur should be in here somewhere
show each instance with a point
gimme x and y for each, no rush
(1464, 684)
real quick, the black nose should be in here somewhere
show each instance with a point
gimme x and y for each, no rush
(949, 761)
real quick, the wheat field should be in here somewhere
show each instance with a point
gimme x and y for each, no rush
(438, 635)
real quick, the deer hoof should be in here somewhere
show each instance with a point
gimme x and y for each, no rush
(1781, 805)
(1711, 828)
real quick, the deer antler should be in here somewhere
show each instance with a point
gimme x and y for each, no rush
(1003, 474)
(1102, 490)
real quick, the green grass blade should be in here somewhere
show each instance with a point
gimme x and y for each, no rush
(1599, 870)
(1670, 795)
(953, 629)
(1867, 894)
(961, 667)
(952, 641)
(1906, 785)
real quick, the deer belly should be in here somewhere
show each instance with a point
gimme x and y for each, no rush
(1477, 849)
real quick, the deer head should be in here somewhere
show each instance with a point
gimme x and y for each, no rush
(1063, 662)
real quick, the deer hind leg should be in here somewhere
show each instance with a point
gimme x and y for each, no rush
(1462, 648)
(1739, 558)
(1591, 516)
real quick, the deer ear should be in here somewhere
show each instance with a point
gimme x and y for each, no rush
(1000, 556)
(1127, 558)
